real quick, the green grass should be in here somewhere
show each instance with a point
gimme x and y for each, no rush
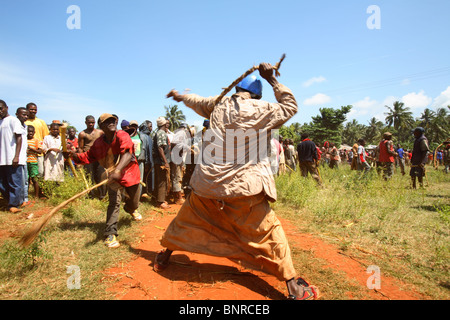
(406, 230)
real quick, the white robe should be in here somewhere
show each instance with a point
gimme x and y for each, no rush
(53, 162)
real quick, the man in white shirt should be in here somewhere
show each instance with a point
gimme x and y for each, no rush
(12, 158)
(363, 165)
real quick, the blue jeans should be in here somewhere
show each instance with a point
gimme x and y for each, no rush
(12, 185)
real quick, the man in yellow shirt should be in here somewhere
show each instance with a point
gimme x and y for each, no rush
(41, 130)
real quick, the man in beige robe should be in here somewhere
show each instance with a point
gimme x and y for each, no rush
(228, 213)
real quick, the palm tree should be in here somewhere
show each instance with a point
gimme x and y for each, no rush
(439, 125)
(374, 129)
(352, 132)
(426, 118)
(175, 116)
(399, 116)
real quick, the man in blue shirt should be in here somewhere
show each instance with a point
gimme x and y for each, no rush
(401, 158)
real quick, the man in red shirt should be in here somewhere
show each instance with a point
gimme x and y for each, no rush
(111, 148)
(387, 155)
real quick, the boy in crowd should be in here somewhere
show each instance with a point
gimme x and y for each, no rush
(53, 159)
(34, 149)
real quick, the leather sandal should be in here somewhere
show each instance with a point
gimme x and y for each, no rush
(309, 292)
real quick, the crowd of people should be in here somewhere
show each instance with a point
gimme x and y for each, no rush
(136, 160)
(384, 157)
(32, 153)
(36, 155)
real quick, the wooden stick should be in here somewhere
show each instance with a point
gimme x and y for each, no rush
(242, 77)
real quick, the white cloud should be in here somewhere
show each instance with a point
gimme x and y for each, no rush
(313, 80)
(368, 108)
(416, 100)
(362, 107)
(317, 99)
(443, 99)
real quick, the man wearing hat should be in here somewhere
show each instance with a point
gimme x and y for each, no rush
(419, 157)
(125, 124)
(114, 149)
(161, 162)
(387, 155)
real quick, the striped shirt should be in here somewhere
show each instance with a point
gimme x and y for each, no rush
(34, 144)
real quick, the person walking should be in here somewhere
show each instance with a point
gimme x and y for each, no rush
(419, 157)
(308, 158)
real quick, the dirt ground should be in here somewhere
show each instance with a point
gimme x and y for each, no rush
(200, 277)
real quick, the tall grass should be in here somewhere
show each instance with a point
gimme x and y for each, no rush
(406, 230)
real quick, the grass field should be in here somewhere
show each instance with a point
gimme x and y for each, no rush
(403, 231)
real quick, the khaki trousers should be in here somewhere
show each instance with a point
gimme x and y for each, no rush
(244, 230)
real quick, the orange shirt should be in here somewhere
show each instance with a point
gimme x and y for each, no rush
(35, 144)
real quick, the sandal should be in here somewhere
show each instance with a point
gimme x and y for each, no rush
(158, 266)
(309, 292)
(164, 205)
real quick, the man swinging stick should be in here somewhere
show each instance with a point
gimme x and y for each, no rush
(227, 213)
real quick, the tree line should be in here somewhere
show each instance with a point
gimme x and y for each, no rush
(330, 125)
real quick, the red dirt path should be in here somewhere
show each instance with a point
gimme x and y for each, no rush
(199, 277)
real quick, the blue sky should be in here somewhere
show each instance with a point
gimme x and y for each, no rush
(128, 54)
